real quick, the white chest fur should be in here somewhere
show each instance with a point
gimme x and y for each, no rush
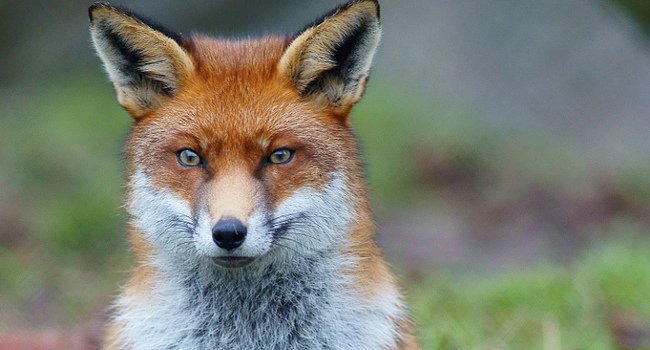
(306, 304)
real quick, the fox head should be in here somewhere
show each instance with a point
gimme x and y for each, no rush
(241, 150)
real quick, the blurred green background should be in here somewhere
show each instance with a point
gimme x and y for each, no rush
(508, 151)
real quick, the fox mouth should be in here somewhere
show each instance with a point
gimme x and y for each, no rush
(232, 261)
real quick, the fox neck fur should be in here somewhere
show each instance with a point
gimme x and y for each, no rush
(305, 303)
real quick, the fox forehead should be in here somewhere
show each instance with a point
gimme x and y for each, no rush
(235, 95)
(236, 77)
(252, 60)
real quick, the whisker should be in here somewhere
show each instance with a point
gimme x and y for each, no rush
(284, 246)
(290, 240)
(298, 233)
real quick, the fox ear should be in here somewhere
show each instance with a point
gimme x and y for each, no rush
(145, 62)
(330, 61)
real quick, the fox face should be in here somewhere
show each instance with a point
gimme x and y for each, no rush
(240, 152)
(237, 192)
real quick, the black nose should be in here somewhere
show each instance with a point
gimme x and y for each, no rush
(229, 233)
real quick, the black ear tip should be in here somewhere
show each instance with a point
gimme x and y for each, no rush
(105, 7)
(378, 8)
(96, 6)
(374, 2)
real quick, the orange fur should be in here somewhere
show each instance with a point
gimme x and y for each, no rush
(234, 102)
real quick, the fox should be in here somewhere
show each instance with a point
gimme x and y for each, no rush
(249, 219)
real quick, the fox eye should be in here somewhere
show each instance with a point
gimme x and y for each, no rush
(281, 156)
(188, 158)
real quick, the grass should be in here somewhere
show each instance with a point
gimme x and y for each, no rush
(61, 182)
(551, 306)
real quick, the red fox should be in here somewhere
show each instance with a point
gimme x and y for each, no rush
(249, 215)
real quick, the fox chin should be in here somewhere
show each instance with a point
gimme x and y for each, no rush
(249, 217)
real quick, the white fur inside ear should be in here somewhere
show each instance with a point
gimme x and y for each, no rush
(332, 60)
(144, 64)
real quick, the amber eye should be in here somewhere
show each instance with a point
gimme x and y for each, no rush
(281, 156)
(188, 158)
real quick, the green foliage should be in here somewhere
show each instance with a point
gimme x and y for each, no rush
(66, 164)
(397, 127)
(547, 307)
(407, 137)
(61, 150)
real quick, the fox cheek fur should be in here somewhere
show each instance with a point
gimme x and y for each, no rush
(249, 216)
(309, 220)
